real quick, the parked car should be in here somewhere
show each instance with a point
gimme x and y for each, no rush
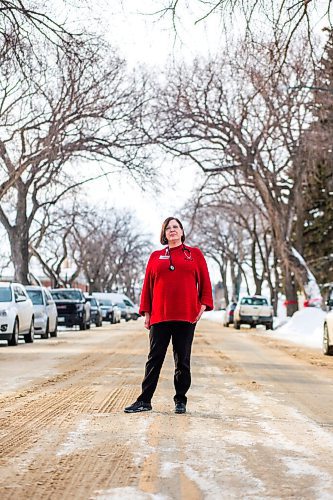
(45, 311)
(110, 311)
(253, 310)
(229, 314)
(72, 306)
(133, 308)
(16, 313)
(95, 311)
(116, 315)
(328, 327)
(125, 310)
(128, 309)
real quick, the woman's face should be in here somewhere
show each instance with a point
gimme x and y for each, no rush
(173, 233)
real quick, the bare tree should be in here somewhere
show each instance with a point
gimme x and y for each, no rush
(75, 107)
(283, 20)
(216, 232)
(227, 116)
(105, 246)
(235, 232)
(24, 21)
(51, 242)
(110, 250)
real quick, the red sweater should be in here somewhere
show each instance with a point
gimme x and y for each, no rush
(176, 295)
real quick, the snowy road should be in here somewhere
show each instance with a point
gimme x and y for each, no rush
(259, 421)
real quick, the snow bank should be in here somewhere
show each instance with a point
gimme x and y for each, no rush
(305, 327)
(217, 316)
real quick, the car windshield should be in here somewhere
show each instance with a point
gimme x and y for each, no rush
(66, 295)
(5, 294)
(121, 305)
(105, 302)
(36, 297)
(254, 301)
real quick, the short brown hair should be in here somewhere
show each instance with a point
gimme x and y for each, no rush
(163, 238)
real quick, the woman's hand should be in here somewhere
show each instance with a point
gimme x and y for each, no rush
(202, 308)
(147, 321)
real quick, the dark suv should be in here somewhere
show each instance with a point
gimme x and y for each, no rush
(72, 306)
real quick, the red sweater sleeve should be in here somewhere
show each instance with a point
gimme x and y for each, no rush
(147, 290)
(204, 284)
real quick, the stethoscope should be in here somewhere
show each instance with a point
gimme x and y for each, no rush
(187, 255)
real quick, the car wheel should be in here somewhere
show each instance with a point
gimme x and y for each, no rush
(88, 325)
(327, 348)
(83, 325)
(269, 326)
(47, 331)
(15, 336)
(30, 337)
(55, 332)
(237, 325)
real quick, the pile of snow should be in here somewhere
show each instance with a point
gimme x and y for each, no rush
(305, 327)
(217, 316)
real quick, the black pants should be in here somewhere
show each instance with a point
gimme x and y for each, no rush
(182, 334)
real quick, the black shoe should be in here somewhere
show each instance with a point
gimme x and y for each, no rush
(137, 407)
(180, 407)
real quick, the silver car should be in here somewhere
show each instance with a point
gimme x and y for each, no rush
(108, 302)
(45, 311)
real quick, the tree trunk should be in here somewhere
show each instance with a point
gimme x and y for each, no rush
(56, 282)
(295, 271)
(19, 246)
(284, 254)
(96, 286)
(274, 290)
(236, 279)
(257, 280)
(290, 292)
(223, 272)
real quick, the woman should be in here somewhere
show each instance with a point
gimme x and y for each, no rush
(175, 293)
